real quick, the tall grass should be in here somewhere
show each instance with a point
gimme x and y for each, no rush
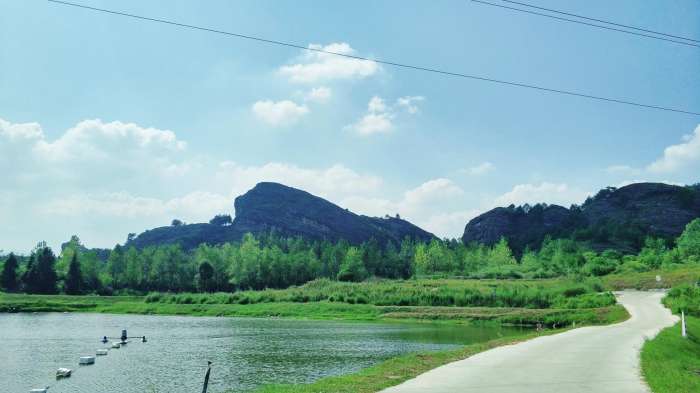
(462, 293)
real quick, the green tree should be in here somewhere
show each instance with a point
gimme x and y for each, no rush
(352, 268)
(74, 278)
(500, 254)
(688, 243)
(41, 276)
(116, 268)
(8, 279)
(206, 275)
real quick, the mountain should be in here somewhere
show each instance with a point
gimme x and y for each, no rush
(289, 212)
(615, 218)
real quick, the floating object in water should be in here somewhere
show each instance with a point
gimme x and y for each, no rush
(87, 360)
(102, 352)
(124, 342)
(63, 373)
(104, 340)
(143, 339)
(40, 390)
(116, 345)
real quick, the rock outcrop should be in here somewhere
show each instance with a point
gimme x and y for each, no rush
(289, 212)
(616, 218)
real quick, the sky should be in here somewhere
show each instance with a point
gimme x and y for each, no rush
(110, 125)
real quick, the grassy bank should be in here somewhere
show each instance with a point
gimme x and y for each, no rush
(647, 280)
(311, 310)
(549, 293)
(671, 363)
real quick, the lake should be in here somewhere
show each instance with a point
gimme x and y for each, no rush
(246, 353)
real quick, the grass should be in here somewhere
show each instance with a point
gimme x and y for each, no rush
(394, 371)
(670, 363)
(549, 293)
(312, 310)
(647, 280)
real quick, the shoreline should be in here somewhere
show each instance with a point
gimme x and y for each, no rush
(323, 310)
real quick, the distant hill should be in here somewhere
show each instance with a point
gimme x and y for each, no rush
(615, 218)
(289, 212)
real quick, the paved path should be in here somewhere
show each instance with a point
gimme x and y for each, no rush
(597, 359)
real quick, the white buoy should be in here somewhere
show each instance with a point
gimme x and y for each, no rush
(102, 352)
(40, 390)
(63, 372)
(87, 360)
(116, 345)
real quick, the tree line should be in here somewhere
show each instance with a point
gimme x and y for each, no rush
(272, 261)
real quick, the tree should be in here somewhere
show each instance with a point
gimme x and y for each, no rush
(74, 283)
(221, 220)
(8, 279)
(116, 267)
(41, 276)
(206, 273)
(177, 223)
(689, 242)
(501, 255)
(352, 268)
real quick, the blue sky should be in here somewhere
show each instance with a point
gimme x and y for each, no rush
(110, 125)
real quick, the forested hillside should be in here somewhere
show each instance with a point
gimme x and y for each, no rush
(617, 219)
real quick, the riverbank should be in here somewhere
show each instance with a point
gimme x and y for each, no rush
(322, 310)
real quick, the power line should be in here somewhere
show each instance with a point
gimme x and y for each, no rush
(599, 20)
(385, 62)
(582, 23)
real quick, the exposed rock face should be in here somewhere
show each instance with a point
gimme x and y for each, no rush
(521, 226)
(273, 206)
(662, 208)
(614, 218)
(289, 212)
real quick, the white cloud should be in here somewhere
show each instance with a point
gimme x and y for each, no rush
(335, 182)
(449, 224)
(196, 206)
(373, 123)
(551, 193)
(428, 192)
(280, 113)
(425, 206)
(376, 105)
(96, 140)
(481, 169)
(380, 117)
(316, 66)
(408, 103)
(680, 156)
(20, 131)
(319, 94)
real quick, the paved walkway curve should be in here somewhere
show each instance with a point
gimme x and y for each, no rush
(596, 359)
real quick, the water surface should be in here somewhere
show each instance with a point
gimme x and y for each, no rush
(246, 352)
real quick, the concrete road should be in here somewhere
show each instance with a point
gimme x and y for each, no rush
(599, 359)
